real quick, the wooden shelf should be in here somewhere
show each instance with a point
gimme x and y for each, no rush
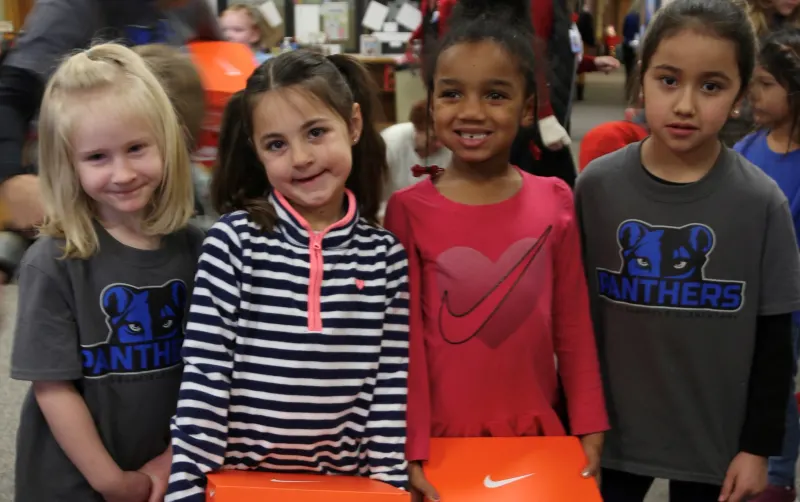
(16, 11)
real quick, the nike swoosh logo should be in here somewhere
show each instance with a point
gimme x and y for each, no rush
(486, 307)
(488, 483)
(293, 481)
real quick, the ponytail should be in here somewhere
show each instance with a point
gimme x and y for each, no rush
(370, 168)
(239, 181)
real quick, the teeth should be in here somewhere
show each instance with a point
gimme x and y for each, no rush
(472, 136)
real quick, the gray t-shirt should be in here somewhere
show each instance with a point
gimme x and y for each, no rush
(678, 276)
(112, 324)
(56, 28)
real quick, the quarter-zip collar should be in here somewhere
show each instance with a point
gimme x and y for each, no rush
(299, 233)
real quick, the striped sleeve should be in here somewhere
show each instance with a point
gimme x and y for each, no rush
(200, 426)
(386, 424)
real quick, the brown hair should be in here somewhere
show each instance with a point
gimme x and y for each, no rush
(181, 80)
(269, 36)
(240, 182)
(419, 115)
(762, 12)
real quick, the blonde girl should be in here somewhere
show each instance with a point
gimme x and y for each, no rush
(767, 15)
(245, 24)
(103, 290)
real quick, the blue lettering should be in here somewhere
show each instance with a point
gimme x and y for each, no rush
(101, 363)
(669, 289)
(690, 293)
(88, 358)
(121, 358)
(160, 353)
(669, 293)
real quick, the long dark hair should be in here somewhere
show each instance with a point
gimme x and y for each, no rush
(727, 19)
(780, 56)
(240, 182)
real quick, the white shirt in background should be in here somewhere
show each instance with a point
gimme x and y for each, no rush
(401, 156)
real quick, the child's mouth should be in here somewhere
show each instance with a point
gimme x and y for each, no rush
(472, 139)
(307, 179)
(473, 135)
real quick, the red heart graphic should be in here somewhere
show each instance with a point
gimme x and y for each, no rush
(359, 284)
(490, 300)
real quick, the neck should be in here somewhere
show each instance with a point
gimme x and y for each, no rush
(782, 139)
(128, 231)
(679, 167)
(482, 172)
(322, 217)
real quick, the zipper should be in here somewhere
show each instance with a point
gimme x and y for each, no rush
(315, 283)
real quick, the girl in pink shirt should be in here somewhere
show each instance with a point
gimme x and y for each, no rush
(499, 305)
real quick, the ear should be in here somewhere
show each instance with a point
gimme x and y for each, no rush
(356, 123)
(701, 239)
(631, 232)
(116, 299)
(737, 106)
(528, 108)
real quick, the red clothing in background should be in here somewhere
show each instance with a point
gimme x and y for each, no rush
(607, 138)
(542, 16)
(494, 298)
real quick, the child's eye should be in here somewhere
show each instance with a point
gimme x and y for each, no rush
(275, 145)
(670, 81)
(95, 157)
(495, 96)
(316, 132)
(449, 94)
(137, 148)
(711, 87)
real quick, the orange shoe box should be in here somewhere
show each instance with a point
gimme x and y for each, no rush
(510, 470)
(242, 486)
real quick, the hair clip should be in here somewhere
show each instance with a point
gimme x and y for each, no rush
(432, 171)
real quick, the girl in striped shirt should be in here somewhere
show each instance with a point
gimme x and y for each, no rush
(296, 348)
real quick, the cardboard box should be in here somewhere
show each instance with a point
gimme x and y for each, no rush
(241, 486)
(224, 68)
(510, 470)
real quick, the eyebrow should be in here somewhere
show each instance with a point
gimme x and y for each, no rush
(306, 125)
(498, 82)
(711, 74)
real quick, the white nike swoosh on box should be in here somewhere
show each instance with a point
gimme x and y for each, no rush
(489, 483)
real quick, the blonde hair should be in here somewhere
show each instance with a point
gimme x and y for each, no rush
(114, 76)
(761, 11)
(269, 37)
(180, 78)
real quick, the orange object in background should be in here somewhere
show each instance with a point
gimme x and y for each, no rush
(224, 68)
(510, 469)
(242, 486)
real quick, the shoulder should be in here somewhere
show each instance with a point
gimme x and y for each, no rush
(192, 237)
(379, 239)
(607, 166)
(752, 180)
(46, 255)
(232, 229)
(745, 143)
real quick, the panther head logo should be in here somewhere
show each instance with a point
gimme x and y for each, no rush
(664, 252)
(136, 315)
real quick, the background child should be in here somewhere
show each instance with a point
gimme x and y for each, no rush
(105, 288)
(181, 80)
(611, 136)
(775, 100)
(497, 283)
(694, 270)
(768, 15)
(302, 297)
(244, 24)
(412, 143)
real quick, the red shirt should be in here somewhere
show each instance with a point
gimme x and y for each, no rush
(495, 297)
(607, 138)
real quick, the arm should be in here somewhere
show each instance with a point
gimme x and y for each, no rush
(46, 352)
(73, 428)
(542, 16)
(575, 344)
(200, 425)
(419, 401)
(770, 386)
(587, 64)
(386, 425)
(418, 32)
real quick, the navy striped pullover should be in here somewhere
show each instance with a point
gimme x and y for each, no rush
(296, 353)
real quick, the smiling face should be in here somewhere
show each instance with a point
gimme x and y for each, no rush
(117, 161)
(305, 147)
(479, 101)
(690, 87)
